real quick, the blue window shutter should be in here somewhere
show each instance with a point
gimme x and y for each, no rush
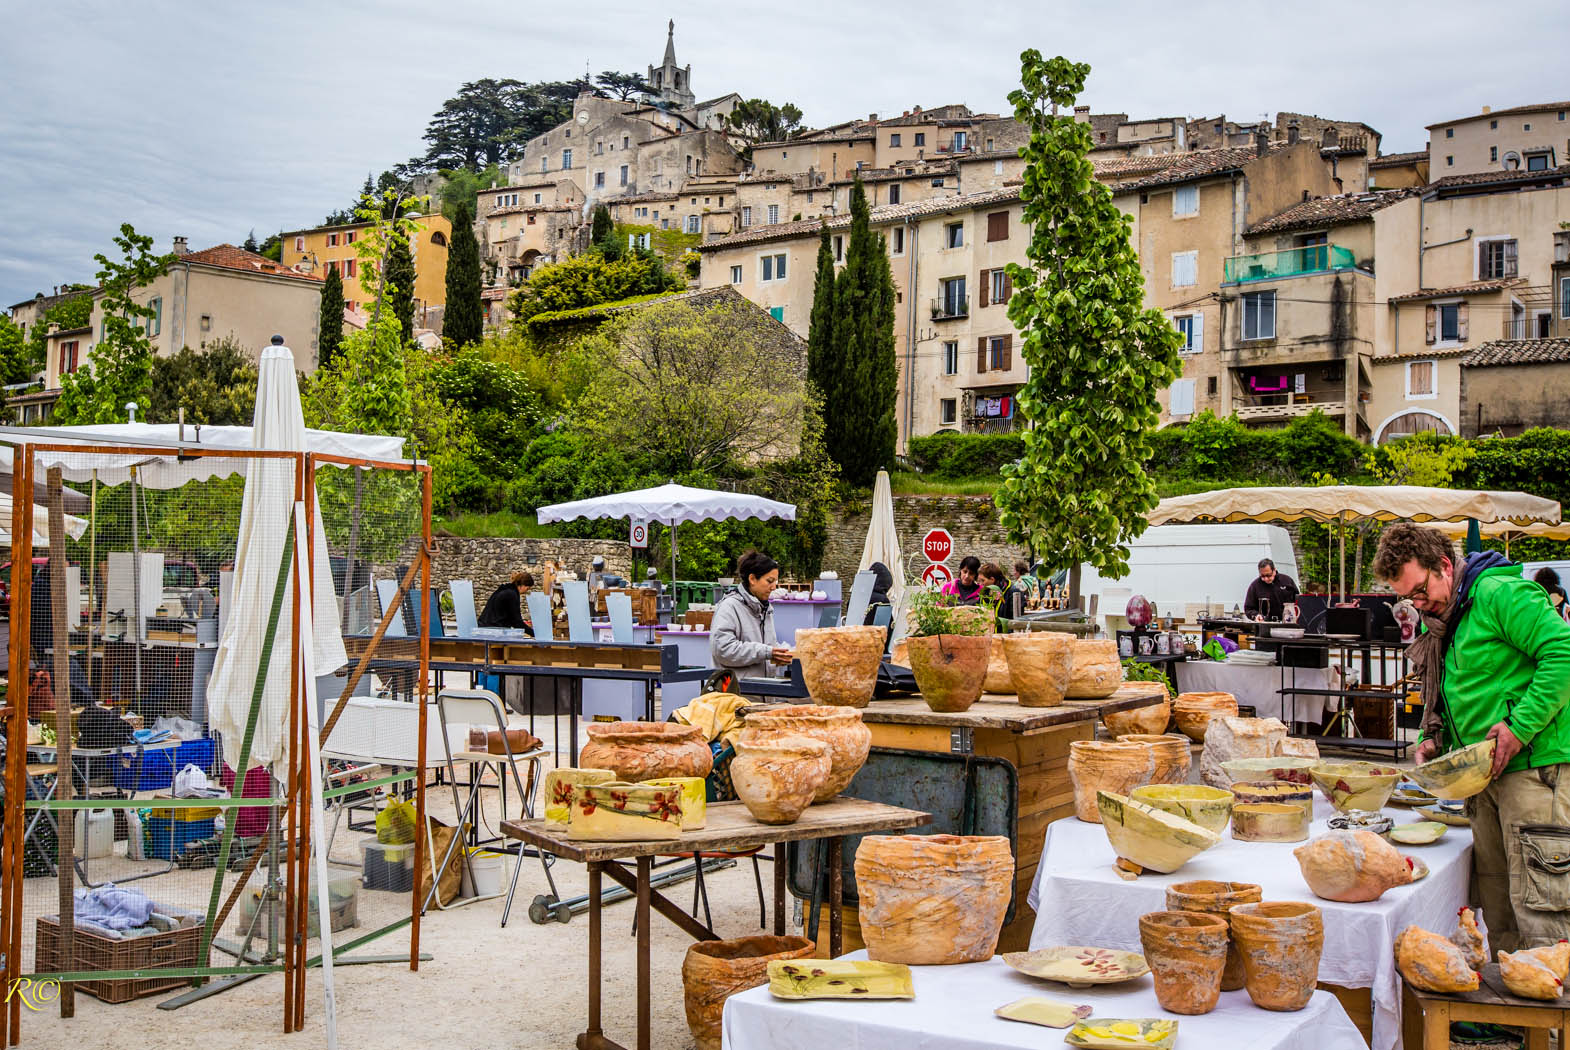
(778, 313)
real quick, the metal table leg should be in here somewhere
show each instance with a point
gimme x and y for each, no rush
(779, 889)
(836, 897)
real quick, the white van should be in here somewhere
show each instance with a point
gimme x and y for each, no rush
(1178, 565)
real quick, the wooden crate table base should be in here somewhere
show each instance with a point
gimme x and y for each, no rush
(1426, 1016)
(729, 827)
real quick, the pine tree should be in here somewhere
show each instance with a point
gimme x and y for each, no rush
(861, 427)
(820, 333)
(330, 328)
(400, 283)
(463, 320)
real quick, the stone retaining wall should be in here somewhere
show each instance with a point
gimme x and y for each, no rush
(971, 520)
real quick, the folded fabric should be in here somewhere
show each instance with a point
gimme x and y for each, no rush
(110, 909)
(715, 714)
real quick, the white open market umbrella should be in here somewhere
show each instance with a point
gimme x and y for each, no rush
(882, 542)
(671, 505)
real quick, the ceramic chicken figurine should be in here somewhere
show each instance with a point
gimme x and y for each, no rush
(1431, 963)
(1470, 939)
(1352, 866)
(1528, 974)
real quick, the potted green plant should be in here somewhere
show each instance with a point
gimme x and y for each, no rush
(949, 646)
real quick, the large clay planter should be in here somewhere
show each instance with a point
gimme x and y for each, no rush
(1187, 953)
(1216, 898)
(777, 779)
(950, 669)
(713, 971)
(840, 664)
(1097, 669)
(997, 680)
(1040, 664)
(933, 899)
(1280, 942)
(1150, 720)
(637, 751)
(839, 727)
(1172, 755)
(1106, 765)
(1193, 711)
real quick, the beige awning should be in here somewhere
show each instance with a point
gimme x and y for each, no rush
(1354, 502)
(1509, 532)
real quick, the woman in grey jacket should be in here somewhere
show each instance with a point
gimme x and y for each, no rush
(741, 636)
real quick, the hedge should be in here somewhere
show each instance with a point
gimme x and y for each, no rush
(959, 456)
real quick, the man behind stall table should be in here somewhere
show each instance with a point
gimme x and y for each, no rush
(1269, 594)
(1500, 657)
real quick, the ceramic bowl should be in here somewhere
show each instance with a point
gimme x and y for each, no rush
(1453, 816)
(1269, 822)
(1206, 806)
(1355, 785)
(1460, 774)
(1079, 967)
(1423, 833)
(1283, 768)
(1408, 793)
(1151, 838)
(1255, 792)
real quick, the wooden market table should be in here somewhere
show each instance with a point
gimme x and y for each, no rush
(729, 828)
(1426, 1016)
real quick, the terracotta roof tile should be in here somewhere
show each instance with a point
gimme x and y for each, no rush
(1519, 352)
(1199, 164)
(1483, 178)
(1458, 289)
(231, 258)
(887, 213)
(1395, 160)
(1512, 111)
(1331, 211)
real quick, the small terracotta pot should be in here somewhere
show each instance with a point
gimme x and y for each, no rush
(933, 899)
(637, 751)
(950, 669)
(1106, 765)
(1216, 898)
(1280, 942)
(1040, 664)
(839, 727)
(997, 680)
(1187, 953)
(840, 664)
(777, 779)
(713, 971)
(1150, 720)
(1172, 755)
(1193, 711)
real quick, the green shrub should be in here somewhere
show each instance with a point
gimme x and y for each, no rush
(950, 455)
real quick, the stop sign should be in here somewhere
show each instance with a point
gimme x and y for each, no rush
(936, 574)
(937, 545)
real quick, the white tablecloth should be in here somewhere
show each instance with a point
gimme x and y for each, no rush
(953, 1008)
(1080, 900)
(1261, 687)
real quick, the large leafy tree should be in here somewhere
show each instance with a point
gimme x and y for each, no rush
(461, 186)
(589, 280)
(623, 85)
(215, 385)
(329, 326)
(1097, 356)
(120, 368)
(463, 318)
(14, 361)
(759, 120)
(75, 311)
(489, 120)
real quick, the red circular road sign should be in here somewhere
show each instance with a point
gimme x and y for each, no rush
(937, 545)
(936, 574)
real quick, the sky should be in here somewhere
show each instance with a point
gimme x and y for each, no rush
(211, 118)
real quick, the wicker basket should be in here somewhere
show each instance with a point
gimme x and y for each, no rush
(94, 951)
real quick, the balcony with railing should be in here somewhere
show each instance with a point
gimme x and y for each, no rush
(1292, 262)
(950, 307)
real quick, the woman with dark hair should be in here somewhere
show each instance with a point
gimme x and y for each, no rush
(965, 588)
(1548, 580)
(741, 637)
(504, 608)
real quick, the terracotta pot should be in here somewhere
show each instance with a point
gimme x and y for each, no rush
(1098, 671)
(1150, 720)
(840, 664)
(713, 971)
(1106, 765)
(1351, 866)
(950, 669)
(1172, 755)
(777, 779)
(1216, 898)
(637, 751)
(997, 680)
(839, 727)
(1187, 953)
(1280, 942)
(1040, 664)
(1193, 711)
(933, 899)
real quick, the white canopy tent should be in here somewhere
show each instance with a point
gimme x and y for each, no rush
(671, 505)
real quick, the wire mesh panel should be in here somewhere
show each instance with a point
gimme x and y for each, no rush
(165, 642)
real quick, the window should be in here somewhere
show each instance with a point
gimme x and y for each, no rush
(959, 141)
(894, 193)
(693, 224)
(951, 359)
(599, 148)
(1564, 297)
(774, 214)
(1450, 161)
(954, 235)
(1493, 154)
(641, 240)
(566, 159)
(68, 360)
(1496, 259)
(1259, 315)
(946, 411)
(155, 323)
(545, 165)
(777, 312)
(299, 244)
(1210, 386)
(599, 180)
(348, 237)
(439, 239)
(839, 248)
(938, 182)
(1493, 125)
(332, 240)
(538, 199)
(531, 220)
(1537, 161)
(1446, 323)
(997, 353)
(624, 142)
(897, 241)
(894, 140)
(1450, 133)
(735, 275)
(746, 215)
(774, 267)
(332, 267)
(1192, 327)
(350, 267)
(997, 167)
(998, 287)
(624, 175)
(1185, 201)
(920, 138)
(952, 303)
(1185, 267)
(1526, 127)
(1420, 380)
(1180, 399)
(989, 145)
(998, 226)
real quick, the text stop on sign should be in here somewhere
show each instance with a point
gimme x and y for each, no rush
(937, 545)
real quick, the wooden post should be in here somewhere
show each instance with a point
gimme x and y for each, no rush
(66, 836)
(15, 771)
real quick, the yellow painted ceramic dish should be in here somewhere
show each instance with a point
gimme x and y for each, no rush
(839, 979)
(1151, 838)
(1114, 1033)
(1355, 785)
(1423, 833)
(1206, 806)
(1455, 818)
(1079, 967)
(1049, 1013)
(1460, 774)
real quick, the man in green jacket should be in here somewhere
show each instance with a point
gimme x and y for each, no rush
(1504, 657)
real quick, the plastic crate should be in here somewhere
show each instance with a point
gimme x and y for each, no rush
(155, 770)
(164, 837)
(386, 866)
(94, 951)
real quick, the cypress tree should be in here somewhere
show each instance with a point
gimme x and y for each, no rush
(330, 328)
(400, 283)
(861, 434)
(463, 321)
(820, 330)
(602, 225)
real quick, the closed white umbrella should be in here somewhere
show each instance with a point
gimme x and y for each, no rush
(266, 514)
(883, 539)
(74, 526)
